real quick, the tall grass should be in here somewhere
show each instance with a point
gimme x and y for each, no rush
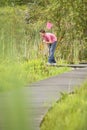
(70, 113)
(17, 39)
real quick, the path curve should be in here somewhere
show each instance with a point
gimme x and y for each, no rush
(44, 93)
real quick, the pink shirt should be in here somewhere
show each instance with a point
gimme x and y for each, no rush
(50, 37)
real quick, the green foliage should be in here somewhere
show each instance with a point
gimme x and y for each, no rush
(70, 113)
(70, 22)
(13, 2)
(13, 114)
(17, 38)
(15, 75)
(21, 2)
(11, 76)
(20, 27)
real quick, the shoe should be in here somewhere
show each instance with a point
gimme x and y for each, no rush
(53, 63)
(48, 63)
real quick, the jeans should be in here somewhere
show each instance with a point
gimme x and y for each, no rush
(52, 48)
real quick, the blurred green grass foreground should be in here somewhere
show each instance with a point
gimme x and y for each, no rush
(15, 102)
(15, 112)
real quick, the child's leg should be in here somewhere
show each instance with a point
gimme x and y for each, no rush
(52, 48)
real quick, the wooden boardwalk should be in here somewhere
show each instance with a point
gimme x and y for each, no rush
(73, 65)
(44, 93)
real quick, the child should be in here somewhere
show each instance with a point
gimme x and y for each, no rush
(51, 40)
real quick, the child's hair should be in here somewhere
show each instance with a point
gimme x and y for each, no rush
(42, 31)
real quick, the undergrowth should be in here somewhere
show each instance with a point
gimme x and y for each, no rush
(19, 74)
(70, 113)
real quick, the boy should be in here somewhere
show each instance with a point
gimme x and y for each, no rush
(51, 40)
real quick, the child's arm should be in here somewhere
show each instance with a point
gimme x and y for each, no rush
(47, 42)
